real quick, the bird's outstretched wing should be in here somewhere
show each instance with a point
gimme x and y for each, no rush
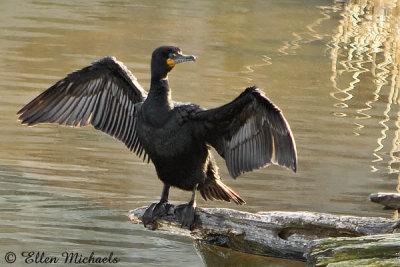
(250, 132)
(103, 94)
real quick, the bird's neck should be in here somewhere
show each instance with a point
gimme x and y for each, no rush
(160, 93)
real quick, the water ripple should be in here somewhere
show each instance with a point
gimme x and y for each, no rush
(365, 55)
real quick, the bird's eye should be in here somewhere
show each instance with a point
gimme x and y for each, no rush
(171, 55)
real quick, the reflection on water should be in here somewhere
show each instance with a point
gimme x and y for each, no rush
(218, 256)
(365, 53)
(331, 67)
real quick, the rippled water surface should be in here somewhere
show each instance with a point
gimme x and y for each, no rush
(331, 67)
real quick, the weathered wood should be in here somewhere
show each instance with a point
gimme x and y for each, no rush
(277, 233)
(389, 200)
(375, 250)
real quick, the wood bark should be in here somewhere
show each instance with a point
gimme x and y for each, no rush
(276, 233)
(389, 200)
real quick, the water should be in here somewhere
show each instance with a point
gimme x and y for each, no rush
(333, 68)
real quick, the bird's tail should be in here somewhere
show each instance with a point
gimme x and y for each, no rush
(218, 190)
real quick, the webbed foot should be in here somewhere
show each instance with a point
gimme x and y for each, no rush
(185, 213)
(154, 212)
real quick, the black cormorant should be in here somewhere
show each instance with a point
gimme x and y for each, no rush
(249, 133)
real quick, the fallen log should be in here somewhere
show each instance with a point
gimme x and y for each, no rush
(389, 200)
(375, 250)
(277, 233)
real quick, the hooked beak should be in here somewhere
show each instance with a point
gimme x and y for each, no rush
(179, 58)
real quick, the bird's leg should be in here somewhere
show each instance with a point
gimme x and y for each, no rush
(156, 210)
(185, 212)
(164, 194)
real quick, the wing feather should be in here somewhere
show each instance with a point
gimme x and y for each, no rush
(250, 132)
(104, 94)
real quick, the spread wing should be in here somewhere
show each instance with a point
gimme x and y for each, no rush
(103, 94)
(250, 132)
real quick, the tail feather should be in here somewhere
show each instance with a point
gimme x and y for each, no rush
(218, 190)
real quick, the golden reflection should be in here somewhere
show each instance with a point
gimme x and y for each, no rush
(266, 60)
(365, 65)
(311, 35)
(291, 45)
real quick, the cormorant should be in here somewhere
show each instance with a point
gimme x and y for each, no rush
(249, 133)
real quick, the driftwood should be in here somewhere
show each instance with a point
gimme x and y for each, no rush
(277, 233)
(389, 200)
(375, 250)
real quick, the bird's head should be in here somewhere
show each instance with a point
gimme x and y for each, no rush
(164, 58)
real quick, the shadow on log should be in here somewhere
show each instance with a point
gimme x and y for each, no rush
(278, 234)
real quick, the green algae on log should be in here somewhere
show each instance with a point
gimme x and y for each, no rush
(374, 250)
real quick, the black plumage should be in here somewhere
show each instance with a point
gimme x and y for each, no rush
(249, 133)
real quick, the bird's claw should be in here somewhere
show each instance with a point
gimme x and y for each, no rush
(186, 215)
(154, 212)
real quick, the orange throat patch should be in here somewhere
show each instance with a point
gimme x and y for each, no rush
(171, 62)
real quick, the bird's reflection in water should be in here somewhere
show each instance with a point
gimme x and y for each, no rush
(365, 51)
